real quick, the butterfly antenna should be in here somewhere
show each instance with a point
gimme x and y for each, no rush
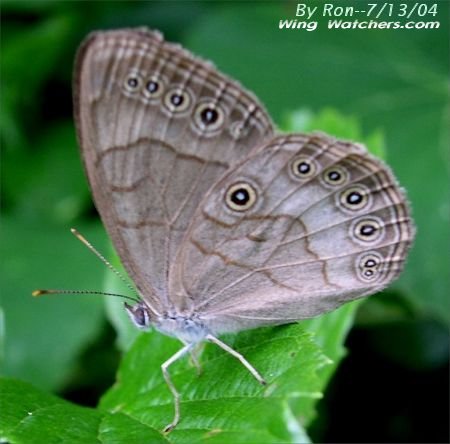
(37, 293)
(81, 238)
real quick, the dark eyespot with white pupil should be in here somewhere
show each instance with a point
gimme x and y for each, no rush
(368, 266)
(209, 116)
(176, 100)
(370, 263)
(133, 82)
(367, 230)
(334, 176)
(152, 86)
(240, 196)
(354, 198)
(303, 167)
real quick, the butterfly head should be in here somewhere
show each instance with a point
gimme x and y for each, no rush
(186, 328)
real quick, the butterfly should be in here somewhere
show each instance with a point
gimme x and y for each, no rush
(222, 223)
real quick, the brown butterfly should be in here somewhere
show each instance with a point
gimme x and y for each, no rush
(222, 224)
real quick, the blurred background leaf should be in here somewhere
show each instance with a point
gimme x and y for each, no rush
(43, 337)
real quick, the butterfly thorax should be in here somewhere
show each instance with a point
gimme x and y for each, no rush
(188, 329)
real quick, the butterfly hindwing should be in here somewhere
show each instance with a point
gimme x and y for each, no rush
(300, 227)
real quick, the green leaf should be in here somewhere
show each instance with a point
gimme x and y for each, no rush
(225, 402)
(334, 123)
(122, 429)
(33, 417)
(30, 415)
(221, 405)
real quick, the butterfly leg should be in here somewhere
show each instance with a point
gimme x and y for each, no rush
(238, 356)
(176, 396)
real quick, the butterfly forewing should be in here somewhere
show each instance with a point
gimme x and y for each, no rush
(300, 227)
(158, 127)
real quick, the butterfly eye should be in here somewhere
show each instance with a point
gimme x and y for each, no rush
(367, 230)
(335, 176)
(303, 167)
(139, 315)
(354, 198)
(240, 196)
(177, 100)
(132, 82)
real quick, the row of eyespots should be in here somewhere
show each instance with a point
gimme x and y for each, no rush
(368, 266)
(353, 198)
(303, 167)
(242, 196)
(349, 200)
(209, 117)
